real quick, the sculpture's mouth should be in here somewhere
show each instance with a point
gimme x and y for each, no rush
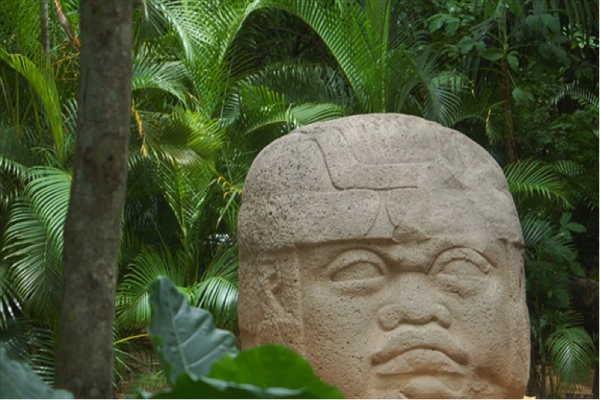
(415, 353)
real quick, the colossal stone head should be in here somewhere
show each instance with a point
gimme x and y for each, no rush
(387, 250)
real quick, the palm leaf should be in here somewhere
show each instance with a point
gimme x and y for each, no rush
(217, 290)
(132, 306)
(535, 231)
(344, 30)
(184, 189)
(304, 83)
(578, 92)
(572, 353)
(532, 179)
(583, 184)
(260, 107)
(150, 73)
(184, 137)
(10, 305)
(40, 77)
(34, 240)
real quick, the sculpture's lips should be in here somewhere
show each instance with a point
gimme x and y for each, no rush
(420, 352)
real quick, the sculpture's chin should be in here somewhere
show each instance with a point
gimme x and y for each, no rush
(422, 386)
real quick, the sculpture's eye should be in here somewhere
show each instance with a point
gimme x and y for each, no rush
(462, 271)
(358, 269)
(462, 267)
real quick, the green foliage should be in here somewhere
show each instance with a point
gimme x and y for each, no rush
(551, 258)
(185, 338)
(38, 74)
(200, 359)
(18, 381)
(572, 353)
(565, 352)
(531, 180)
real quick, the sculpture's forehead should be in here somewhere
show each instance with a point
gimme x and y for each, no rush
(462, 217)
(372, 152)
(371, 139)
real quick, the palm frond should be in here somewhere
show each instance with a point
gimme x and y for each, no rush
(572, 353)
(10, 305)
(260, 107)
(575, 90)
(535, 231)
(304, 83)
(20, 28)
(217, 290)
(34, 240)
(583, 184)
(12, 180)
(32, 341)
(184, 137)
(40, 77)
(132, 305)
(530, 179)
(344, 31)
(184, 188)
(150, 73)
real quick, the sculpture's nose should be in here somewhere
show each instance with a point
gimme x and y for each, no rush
(414, 304)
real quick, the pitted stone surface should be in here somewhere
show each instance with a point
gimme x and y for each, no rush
(387, 250)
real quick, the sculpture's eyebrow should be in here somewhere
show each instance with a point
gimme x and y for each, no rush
(461, 253)
(412, 255)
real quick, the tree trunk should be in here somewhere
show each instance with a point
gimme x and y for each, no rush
(92, 229)
(44, 26)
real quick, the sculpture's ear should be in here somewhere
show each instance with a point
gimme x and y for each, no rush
(273, 286)
(280, 281)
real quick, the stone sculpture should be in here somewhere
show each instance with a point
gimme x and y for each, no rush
(387, 250)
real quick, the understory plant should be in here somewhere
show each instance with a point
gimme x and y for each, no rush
(198, 360)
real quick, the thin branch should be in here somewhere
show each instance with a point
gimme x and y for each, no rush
(65, 24)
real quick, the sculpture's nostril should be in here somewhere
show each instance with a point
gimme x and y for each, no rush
(388, 318)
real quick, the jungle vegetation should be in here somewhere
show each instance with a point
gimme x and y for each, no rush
(215, 81)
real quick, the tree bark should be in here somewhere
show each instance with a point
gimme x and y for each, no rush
(92, 230)
(45, 39)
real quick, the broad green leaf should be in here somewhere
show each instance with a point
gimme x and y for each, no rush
(207, 388)
(185, 338)
(575, 227)
(436, 22)
(271, 371)
(513, 61)
(522, 96)
(514, 7)
(18, 381)
(492, 54)
(273, 366)
(466, 44)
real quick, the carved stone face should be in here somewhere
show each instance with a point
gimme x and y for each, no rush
(418, 319)
(392, 264)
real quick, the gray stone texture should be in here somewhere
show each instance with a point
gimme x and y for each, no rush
(386, 249)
